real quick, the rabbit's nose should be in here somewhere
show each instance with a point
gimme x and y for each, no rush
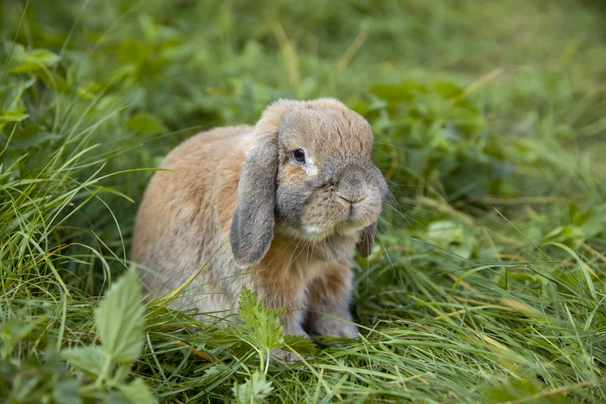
(352, 188)
(352, 198)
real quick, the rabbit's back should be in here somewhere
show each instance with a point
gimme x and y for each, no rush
(185, 213)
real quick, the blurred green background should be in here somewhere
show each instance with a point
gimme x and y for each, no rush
(489, 125)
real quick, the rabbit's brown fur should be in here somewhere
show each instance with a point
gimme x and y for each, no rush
(291, 226)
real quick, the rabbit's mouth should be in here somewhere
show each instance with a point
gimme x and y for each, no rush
(342, 228)
(309, 232)
(317, 233)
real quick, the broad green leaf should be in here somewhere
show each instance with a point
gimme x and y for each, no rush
(12, 92)
(254, 390)
(523, 390)
(405, 91)
(120, 319)
(300, 343)
(451, 236)
(137, 392)
(229, 334)
(66, 392)
(447, 89)
(145, 124)
(217, 373)
(35, 140)
(528, 279)
(30, 61)
(13, 116)
(591, 221)
(89, 359)
(117, 397)
(264, 323)
(13, 331)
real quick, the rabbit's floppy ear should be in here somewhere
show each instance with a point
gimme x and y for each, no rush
(366, 241)
(367, 237)
(252, 227)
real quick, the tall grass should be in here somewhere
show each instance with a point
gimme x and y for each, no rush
(487, 284)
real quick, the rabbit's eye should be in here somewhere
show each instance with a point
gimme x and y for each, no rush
(299, 156)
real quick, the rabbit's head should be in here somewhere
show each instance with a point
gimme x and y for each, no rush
(308, 176)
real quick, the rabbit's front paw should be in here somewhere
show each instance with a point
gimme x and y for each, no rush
(285, 356)
(332, 327)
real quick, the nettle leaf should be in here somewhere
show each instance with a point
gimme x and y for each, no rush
(229, 334)
(30, 61)
(254, 390)
(451, 236)
(137, 392)
(117, 397)
(14, 331)
(13, 116)
(265, 329)
(217, 374)
(66, 392)
(11, 93)
(448, 89)
(120, 319)
(590, 221)
(300, 343)
(89, 359)
(34, 141)
(405, 91)
(145, 124)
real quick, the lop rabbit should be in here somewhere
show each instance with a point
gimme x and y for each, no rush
(294, 196)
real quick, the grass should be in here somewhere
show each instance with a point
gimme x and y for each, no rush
(488, 284)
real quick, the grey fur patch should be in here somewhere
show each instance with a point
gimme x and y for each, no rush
(252, 227)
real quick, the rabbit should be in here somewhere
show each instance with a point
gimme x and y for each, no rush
(293, 196)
